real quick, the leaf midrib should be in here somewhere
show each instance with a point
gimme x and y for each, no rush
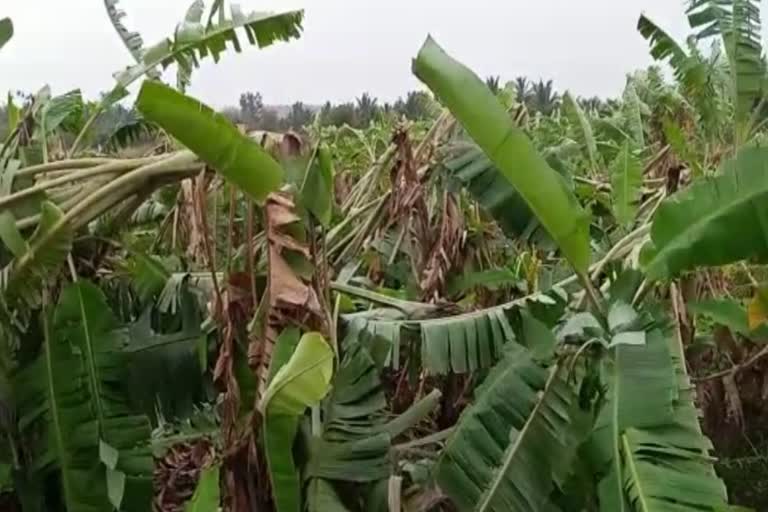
(518, 441)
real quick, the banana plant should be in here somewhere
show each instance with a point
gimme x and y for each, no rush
(520, 454)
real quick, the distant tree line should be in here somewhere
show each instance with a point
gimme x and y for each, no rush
(542, 97)
(538, 96)
(255, 115)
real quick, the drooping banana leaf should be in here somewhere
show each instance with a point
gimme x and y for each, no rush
(213, 138)
(692, 72)
(456, 344)
(647, 444)
(6, 31)
(487, 122)
(715, 221)
(642, 389)
(194, 41)
(465, 343)
(663, 46)
(633, 108)
(83, 319)
(583, 129)
(303, 381)
(515, 445)
(668, 466)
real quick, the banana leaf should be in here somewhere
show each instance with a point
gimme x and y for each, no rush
(715, 221)
(303, 381)
(487, 122)
(213, 138)
(515, 445)
(194, 41)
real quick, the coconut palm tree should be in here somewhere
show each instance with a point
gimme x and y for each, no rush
(493, 83)
(522, 89)
(365, 110)
(544, 98)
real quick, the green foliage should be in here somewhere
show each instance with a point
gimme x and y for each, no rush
(583, 130)
(206, 497)
(55, 406)
(317, 188)
(523, 421)
(715, 221)
(738, 23)
(213, 138)
(728, 312)
(303, 381)
(72, 396)
(489, 187)
(669, 463)
(355, 445)
(509, 148)
(626, 182)
(62, 111)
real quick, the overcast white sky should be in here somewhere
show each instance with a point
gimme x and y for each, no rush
(348, 47)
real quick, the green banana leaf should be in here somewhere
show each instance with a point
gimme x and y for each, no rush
(728, 312)
(646, 444)
(738, 23)
(461, 343)
(213, 138)
(207, 494)
(6, 31)
(303, 381)
(357, 433)
(56, 419)
(715, 221)
(626, 182)
(669, 466)
(487, 122)
(633, 109)
(515, 445)
(316, 192)
(491, 189)
(84, 320)
(583, 129)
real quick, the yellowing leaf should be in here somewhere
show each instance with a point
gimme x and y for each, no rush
(303, 381)
(757, 311)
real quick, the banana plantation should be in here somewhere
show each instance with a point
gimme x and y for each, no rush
(517, 302)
